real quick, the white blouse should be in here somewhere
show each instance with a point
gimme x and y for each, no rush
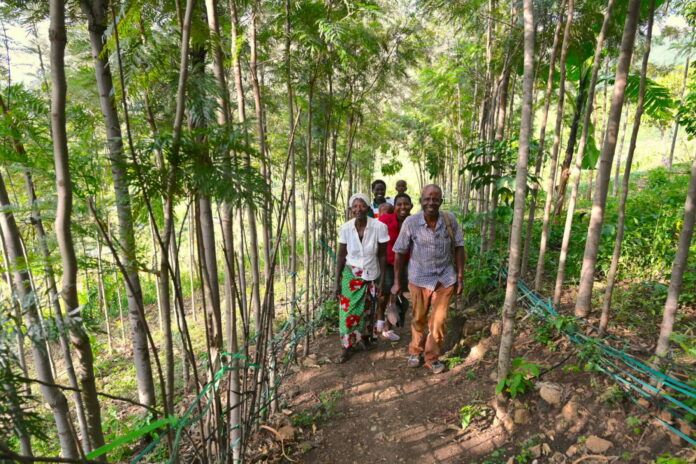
(364, 254)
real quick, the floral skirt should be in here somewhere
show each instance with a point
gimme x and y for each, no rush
(356, 303)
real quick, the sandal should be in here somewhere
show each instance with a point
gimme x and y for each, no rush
(344, 356)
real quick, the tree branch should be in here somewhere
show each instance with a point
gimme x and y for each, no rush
(106, 395)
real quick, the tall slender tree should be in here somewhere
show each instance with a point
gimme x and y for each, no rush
(560, 274)
(78, 336)
(621, 221)
(20, 282)
(678, 267)
(538, 278)
(589, 262)
(542, 138)
(507, 336)
(97, 12)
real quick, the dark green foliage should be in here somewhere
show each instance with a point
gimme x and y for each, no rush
(517, 380)
(652, 231)
(493, 163)
(687, 111)
(329, 314)
(658, 102)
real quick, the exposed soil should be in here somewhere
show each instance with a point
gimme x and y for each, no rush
(374, 408)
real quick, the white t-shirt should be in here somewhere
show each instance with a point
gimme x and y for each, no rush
(364, 254)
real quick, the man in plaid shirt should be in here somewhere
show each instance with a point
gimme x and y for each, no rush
(436, 244)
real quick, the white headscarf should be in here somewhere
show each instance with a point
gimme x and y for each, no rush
(359, 196)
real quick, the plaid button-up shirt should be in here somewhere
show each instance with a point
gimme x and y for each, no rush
(431, 250)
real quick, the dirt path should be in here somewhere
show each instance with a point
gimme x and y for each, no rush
(374, 408)
(387, 412)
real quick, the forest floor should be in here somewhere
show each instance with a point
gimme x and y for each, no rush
(374, 408)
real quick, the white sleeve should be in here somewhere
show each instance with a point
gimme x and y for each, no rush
(342, 235)
(382, 232)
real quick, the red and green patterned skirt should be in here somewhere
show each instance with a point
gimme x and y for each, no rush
(356, 305)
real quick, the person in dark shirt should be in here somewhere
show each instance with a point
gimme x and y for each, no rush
(379, 190)
(402, 209)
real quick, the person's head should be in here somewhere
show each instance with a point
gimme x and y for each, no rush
(401, 186)
(385, 208)
(359, 204)
(431, 199)
(402, 206)
(379, 189)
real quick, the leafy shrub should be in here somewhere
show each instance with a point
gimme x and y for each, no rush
(329, 314)
(669, 459)
(517, 380)
(321, 412)
(468, 413)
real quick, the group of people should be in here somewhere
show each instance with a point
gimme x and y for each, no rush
(385, 251)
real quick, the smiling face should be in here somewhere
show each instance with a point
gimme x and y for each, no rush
(402, 208)
(378, 191)
(359, 209)
(431, 199)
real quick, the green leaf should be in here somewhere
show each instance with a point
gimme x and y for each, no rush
(658, 102)
(591, 155)
(499, 388)
(171, 420)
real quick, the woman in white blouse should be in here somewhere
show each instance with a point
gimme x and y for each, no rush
(362, 258)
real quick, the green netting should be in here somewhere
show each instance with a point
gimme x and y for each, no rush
(281, 349)
(634, 376)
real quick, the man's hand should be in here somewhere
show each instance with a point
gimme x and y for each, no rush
(396, 289)
(460, 286)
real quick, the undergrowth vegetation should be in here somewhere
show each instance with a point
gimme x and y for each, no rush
(654, 215)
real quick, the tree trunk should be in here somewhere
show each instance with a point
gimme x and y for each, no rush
(293, 165)
(20, 276)
(120, 311)
(507, 336)
(208, 258)
(260, 121)
(250, 213)
(570, 146)
(560, 276)
(102, 297)
(542, 140)
(486, 101)
(499, 133)
(158, 277)
(224, 117)
(584, 299)
(611, 278)
(97, 14)
(617, 169)
(37, 222)
(678, 267)
(539, 277)
(192, 264)
(307, 211)
(676, 120)
(78, 336)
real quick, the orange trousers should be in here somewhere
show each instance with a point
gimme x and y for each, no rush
(429, 307)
